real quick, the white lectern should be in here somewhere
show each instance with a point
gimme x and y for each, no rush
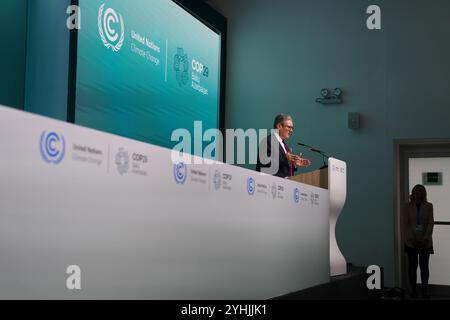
(333, 178)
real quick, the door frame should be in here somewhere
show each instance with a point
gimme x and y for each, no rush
(404, 149)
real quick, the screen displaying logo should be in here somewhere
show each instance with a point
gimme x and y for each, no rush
(217, 180)
(251, 186)
(53, 147)
(122, 161)
(296, 195)
(180, 173)
(108, 27)
(181, 67)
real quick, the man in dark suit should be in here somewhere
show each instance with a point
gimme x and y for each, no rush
(274, 156)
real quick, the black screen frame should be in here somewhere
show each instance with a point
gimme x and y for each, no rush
(199, 10)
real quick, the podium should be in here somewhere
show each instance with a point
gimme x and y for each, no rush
(317, 178)
(333, 178)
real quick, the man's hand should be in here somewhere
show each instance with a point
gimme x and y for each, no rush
(291, 157)
(301, 162)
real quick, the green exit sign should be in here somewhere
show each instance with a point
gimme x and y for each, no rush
(432, 178)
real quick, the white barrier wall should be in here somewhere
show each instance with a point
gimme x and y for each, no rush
(140, 227)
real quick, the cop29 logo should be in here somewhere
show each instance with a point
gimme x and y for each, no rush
(108, 20)
(217, 180)
(180, 173)
(274, 190)
(181, 67)
(122, 161)
(53, 147)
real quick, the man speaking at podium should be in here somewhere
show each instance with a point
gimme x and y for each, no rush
(279, 160)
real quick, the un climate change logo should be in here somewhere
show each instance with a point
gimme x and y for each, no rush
(109, 35)
(251, 186)
(53, 147)
(296, 195)
(180, 173)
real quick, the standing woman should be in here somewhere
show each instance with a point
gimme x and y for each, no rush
(417, 230)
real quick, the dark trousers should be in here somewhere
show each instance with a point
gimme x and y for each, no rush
(418, 257)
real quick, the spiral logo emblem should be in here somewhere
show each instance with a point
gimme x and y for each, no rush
(180, 173)
(296, 195)
(53, 147)
(251, 186)
(108, 20)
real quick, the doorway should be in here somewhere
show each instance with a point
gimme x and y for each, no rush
(425, 162)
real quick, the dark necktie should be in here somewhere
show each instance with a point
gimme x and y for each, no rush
(287, 151)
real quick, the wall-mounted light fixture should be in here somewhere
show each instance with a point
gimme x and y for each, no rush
(329, 97)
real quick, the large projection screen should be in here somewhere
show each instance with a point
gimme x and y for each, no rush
(144, 69)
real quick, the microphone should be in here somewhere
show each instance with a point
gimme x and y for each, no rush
(316, 150)
(311, 148)
(303, 145)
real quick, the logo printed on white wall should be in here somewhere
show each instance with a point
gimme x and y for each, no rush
(108, 21)
(274, 190)
(251, 186)
(122, 161)
(180, 173)
(52, 147)
(296, 195)
(217, 180)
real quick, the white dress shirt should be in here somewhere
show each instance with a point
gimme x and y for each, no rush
(280, 141)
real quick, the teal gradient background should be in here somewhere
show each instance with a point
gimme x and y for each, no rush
(129, 95)
(13, 33)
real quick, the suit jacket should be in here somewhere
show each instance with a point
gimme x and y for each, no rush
(412, 237)
(283, 170)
